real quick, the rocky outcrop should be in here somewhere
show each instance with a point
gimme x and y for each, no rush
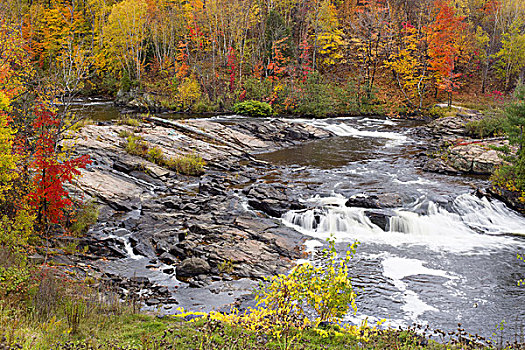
(449, 148)
(159, 226)
(272, 199)
(478, 157)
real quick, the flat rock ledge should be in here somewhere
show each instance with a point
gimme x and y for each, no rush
(169, 230)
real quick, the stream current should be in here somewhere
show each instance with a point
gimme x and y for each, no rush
(445, 256)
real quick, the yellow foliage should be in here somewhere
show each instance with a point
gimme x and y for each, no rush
(331, 47)
(189, 92)
(283, 302)
(125, 31)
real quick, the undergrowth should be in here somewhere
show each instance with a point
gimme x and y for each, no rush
(188, 164)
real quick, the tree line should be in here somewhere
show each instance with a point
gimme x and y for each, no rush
(301, 56)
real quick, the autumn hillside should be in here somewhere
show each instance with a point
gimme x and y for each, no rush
(301, 56)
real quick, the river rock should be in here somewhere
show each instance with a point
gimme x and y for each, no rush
(477, 157)
(379, 219)
(272, 199)
(375, 201)
(474, 158)
(511, 198)
(192, 267)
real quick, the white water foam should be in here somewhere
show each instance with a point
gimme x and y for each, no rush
(396, 269)
(342, 129)
(472, 225)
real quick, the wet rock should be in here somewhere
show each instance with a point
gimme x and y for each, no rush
(152, 301)
(168, 258)
(379, 219)
(362, 201)
(192, 267)
(172, 202)
(211, 186)
(271, 199)
(511, 198)
(143, 249)
(386, 200)
(191, 208)
(437, 165)
(140, 280)
(168, 270)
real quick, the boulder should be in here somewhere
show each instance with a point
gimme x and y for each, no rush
(271, 199)
(375, 201)
(379, 219)
(192, 267)
(474, 158)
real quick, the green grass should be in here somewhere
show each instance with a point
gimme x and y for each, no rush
(129, 121)
(141, 331)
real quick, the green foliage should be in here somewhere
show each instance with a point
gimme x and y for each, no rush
(204, 105)
(314, 97)
(84, 218)
(226, 266)
(257, 89)
(511, 53)
(136, 145)
(155, 155)
(190, 164)
(129, 121)
(125, 82)
(253, 108)
(436, 112)
(284, 301)
(514, 173)
(325, 288)
(491, 125)
(75, 310)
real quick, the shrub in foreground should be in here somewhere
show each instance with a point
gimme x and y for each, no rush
(253, 108)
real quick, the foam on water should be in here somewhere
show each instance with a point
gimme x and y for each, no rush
(467, 226)
(343, 129)
(396, 269)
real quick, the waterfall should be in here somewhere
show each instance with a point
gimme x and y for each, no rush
(464, 225)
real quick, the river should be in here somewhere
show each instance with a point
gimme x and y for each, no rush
(445, 256)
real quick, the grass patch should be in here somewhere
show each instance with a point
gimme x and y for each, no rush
(190, 164)
(139, 331)
(134, 122)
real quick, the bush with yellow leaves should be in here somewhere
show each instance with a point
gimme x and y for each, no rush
(310, 294)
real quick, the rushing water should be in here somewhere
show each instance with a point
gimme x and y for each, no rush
(445, 256)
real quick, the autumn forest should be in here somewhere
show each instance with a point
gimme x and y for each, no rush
(251, 140)
(299, 56)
